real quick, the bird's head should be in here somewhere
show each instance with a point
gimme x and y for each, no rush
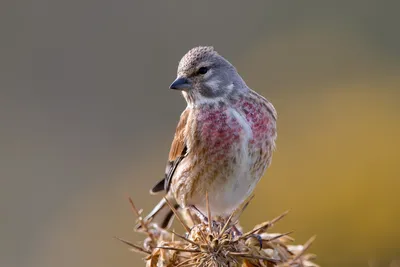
(205, 76)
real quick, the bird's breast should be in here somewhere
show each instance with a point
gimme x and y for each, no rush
(218, 130)
(219, 127)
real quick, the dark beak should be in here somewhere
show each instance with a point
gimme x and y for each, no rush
(180, 83)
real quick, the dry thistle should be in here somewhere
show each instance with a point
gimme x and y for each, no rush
(219, 242)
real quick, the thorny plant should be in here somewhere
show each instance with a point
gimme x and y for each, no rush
(218, 242)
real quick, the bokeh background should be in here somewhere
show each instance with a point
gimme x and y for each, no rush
(87, 119)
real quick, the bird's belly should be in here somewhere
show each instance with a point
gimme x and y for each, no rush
(228, 192)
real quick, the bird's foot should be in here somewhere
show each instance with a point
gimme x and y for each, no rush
(236, 232)
(198, 214)
(259, 240)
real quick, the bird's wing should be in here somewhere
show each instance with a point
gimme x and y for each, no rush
(177, 152)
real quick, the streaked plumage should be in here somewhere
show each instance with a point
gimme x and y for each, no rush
(223, 142)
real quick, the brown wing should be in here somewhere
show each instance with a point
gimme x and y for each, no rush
(178, 144)
(176, 154)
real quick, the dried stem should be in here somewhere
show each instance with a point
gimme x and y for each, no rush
(217, 242)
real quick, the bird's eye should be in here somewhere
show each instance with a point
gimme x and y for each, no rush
(202, 70)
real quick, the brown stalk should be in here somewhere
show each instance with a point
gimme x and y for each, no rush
(249, 256)
(208, 211)
(265, 225)
(177, 215)
(183, 237)
(181, 249)
(306, 246)
(133, 246)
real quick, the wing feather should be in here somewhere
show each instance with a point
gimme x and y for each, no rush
(177, 152)
(178, 144)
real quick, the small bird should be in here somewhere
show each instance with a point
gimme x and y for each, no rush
(223, 142)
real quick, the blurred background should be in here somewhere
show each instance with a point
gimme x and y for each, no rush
(87, 119)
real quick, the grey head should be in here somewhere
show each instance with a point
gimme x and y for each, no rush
(205, 76)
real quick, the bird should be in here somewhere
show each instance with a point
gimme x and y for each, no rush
(223, 142)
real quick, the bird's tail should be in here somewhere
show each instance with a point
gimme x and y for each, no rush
(162, 215)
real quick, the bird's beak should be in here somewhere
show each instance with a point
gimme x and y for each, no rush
(181, 83)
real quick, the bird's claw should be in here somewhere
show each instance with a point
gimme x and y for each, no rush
(198, 213)
(259, 239)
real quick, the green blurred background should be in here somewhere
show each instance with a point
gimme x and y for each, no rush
(87, 119)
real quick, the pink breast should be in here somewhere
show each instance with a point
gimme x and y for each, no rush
(219, 130)
(259, 119)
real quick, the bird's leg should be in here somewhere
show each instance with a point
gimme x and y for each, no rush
(198, 213)
(236, 231)
(259, 239)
